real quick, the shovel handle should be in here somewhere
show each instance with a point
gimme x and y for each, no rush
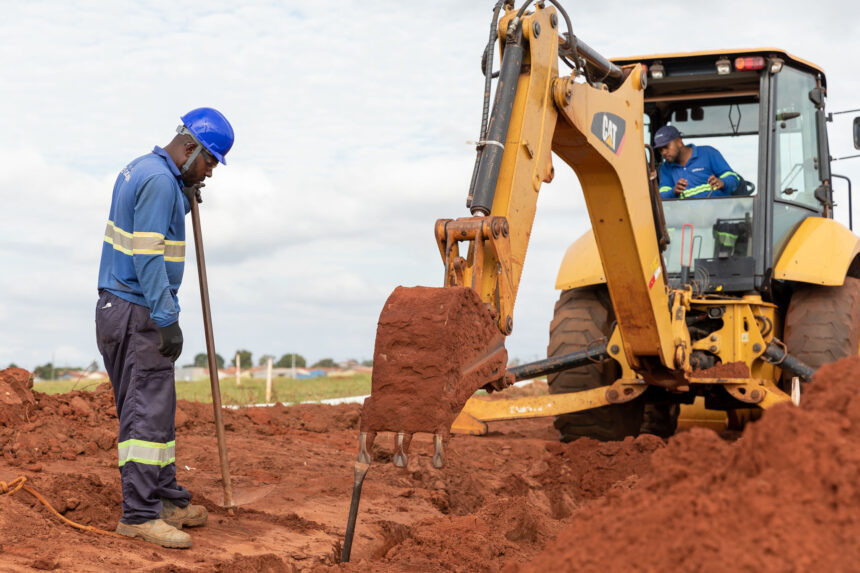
(210, 351)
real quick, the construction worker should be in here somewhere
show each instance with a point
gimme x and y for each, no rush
(137, 320)
(692, 171)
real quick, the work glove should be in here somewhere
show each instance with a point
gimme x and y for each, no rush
(171, 341)
(192, 192)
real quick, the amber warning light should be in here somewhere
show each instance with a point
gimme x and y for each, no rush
(749, 63)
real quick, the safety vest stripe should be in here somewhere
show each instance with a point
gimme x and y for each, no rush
(144, 243)
(142, 452)
(665, 188)
(730, 173)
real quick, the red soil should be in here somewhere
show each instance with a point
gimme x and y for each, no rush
(434, 348)
(782, 497)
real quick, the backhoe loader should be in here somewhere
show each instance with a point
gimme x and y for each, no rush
(726, 303)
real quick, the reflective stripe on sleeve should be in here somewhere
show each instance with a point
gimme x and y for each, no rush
(174, 251)
(148, 243)
(664, 189)
(697, 190)
(730, 173)
(150, 453)
(727, 239)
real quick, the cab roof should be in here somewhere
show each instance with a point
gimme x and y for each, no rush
(718, 54)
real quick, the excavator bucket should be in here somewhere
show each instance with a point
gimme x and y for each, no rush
(434, 348)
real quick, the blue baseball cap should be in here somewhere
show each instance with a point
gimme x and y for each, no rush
(664, 135)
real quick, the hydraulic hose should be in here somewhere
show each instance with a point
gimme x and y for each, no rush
(494, 143)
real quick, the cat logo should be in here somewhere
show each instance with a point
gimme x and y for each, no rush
(609, 128)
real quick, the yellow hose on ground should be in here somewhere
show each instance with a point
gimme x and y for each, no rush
(17, 485)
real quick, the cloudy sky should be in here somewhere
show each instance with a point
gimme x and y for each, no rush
(351, 120)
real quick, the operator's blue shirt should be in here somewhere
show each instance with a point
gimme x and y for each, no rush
(704, 162)
(143, 254)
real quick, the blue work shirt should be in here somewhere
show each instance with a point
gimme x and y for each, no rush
(704, 162)
(143, 253)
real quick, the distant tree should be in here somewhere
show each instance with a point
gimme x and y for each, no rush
(13, 365)
(264, 359)
(324, 363)
(367, 363)
(286, 361)
(245, 357)
(45, 371)
(202, 360)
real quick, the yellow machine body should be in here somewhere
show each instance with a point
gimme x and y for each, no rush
(599, 134)
(599, 131)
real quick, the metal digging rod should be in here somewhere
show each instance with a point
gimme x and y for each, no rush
(213, 364)
(358, 480)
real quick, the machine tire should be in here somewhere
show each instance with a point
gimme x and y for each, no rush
(583, 316)
(823, 322)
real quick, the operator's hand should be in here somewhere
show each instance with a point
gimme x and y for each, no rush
(680, 186)
(715, 182)
(171, 341)
(192, 192)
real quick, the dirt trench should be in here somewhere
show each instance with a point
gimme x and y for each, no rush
(780, 497)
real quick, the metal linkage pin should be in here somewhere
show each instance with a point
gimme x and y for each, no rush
(401, 444)
(438, 458)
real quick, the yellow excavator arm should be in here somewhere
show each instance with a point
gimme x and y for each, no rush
(598, 131)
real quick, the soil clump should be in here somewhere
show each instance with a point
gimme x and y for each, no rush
(434, 348)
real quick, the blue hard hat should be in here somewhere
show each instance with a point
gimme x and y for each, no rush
(211, 129)
(664, 135)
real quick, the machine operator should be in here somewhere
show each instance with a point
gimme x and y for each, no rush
(692, 171)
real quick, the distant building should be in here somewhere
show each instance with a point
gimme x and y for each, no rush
(341, 373)
(79, 375)
(189, 373)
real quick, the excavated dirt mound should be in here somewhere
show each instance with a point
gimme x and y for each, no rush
(783, 496)
(16, 398)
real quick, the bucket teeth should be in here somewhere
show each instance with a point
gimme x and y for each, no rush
(401, 446)
(438, 458)
(364, 443)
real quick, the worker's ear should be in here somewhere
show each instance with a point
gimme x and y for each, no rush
(190, 146)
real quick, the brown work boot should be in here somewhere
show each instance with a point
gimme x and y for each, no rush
(188, 516)
(156, 531)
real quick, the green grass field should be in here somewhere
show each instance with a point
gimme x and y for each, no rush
(251, 391)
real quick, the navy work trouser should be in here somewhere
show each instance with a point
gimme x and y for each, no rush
(145, 392)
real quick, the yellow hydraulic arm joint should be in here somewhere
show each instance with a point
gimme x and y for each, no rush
(472, 419)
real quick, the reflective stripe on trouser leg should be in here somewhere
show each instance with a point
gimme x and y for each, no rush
(152, 453)
(145, 394)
